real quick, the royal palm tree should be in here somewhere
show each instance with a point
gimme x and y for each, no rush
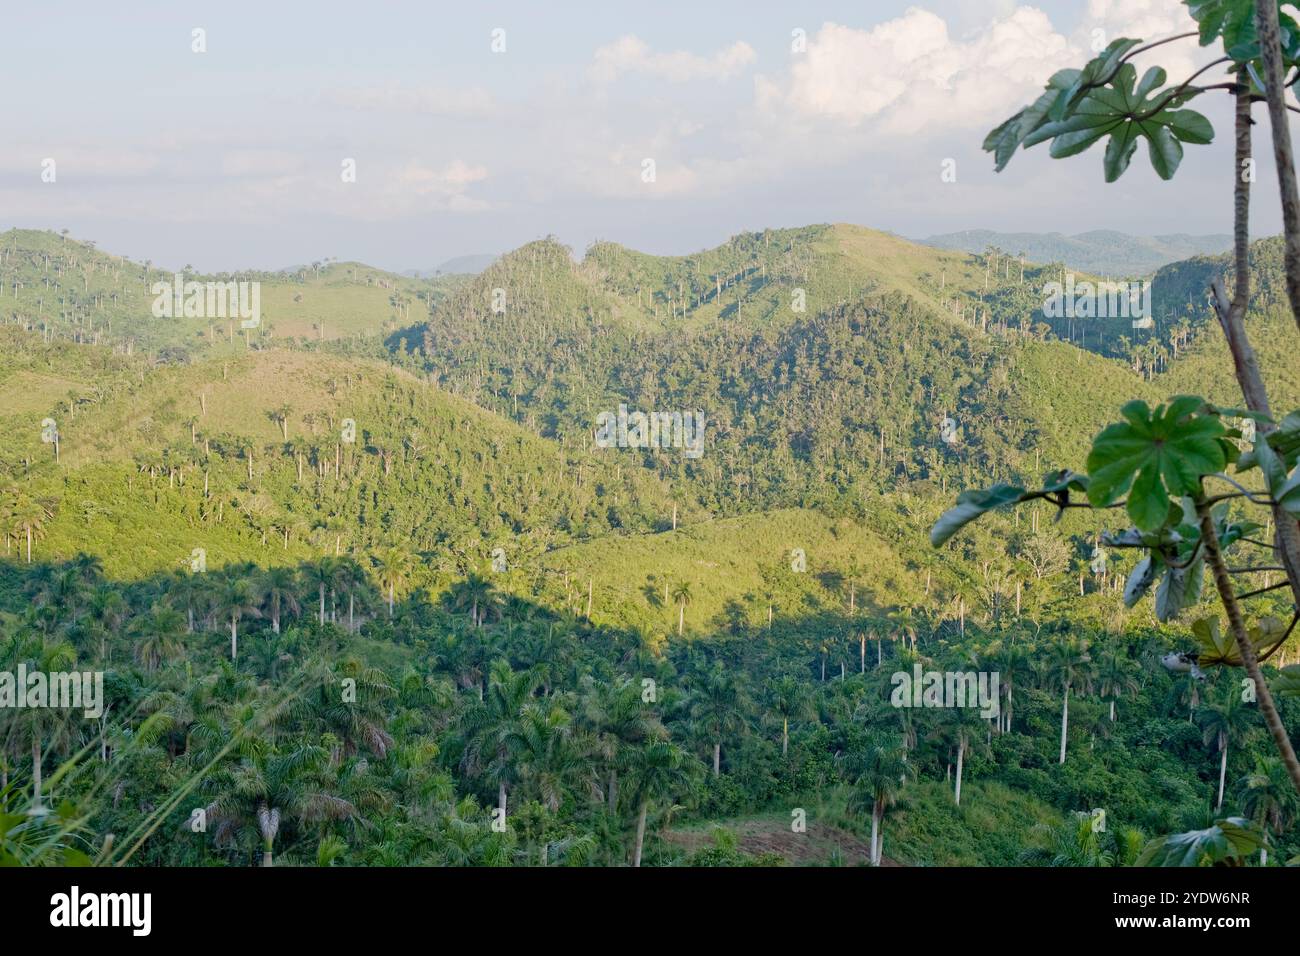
(877, 770)
(617, 720)
(27, 516)
(718, 705)
(237, 599)
(681, 597)
(491, 725)
(1117, 677)
(1268, 798)
(657, 772)
(394, 567)
(43, 727)
(1069, 666)
(961, 725)
(321, 574)
(278, 587)
(158, 636)
(548, 760)
(789, 698)
(1223, 721)
(478, 595)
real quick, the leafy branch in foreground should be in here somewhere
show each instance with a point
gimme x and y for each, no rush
(1162, 461)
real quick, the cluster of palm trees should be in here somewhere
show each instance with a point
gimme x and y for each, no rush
(517, 734)
(73, 599)
(22, 520)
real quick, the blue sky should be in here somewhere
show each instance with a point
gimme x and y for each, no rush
(232, 157)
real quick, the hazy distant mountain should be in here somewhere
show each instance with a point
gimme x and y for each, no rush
(1102, 251)
(461, 265)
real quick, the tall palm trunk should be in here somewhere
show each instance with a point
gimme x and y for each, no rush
(717, 757)
(613, 790)
(390, 600)
(875, 834)
(785, 736)
(681, 616)
(1223, 768)
(322, 604)
(234, 637)
(640, 832)
(266, 856)
(961, 754)
(36, 773)
(501, 799)
(1065, 720)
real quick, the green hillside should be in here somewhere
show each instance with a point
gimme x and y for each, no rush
(535, 620)
(64, 288)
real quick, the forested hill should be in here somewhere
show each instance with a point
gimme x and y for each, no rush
(1102, 251)
(620, 649)
(845, 397)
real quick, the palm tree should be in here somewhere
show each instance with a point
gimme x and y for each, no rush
(237, 599)
(1068, 666)
(1268, 798)
(548, 760)
(476, 593)
(394, 567)
(961, 725)
(1222, 722)
(616, 720)
(270, 788)
(657, 771)
(877, 771)
(27, 516)
(351, 581)
(279, 588)
(718, 706)
(681, 597)
(158, 636)
(489, 728)
(1116, 676)
(789, 699)
(1077, 842)
(323, 575)
(904, 621)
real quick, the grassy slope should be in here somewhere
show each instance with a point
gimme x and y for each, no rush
(111, 296)
(139, 524)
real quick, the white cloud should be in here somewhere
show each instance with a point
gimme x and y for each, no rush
(628, 54)
(909, 74)
(1150, 20)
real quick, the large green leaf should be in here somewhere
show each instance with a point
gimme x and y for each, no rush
(1287, 682)
(1179, 589)
(1234, 22)
(1153, 456)
(1217, 648)
(1057, 486)
(970, 505)
(1226, 843)
(1127, 110)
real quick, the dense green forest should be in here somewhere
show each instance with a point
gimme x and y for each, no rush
(365, 590)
